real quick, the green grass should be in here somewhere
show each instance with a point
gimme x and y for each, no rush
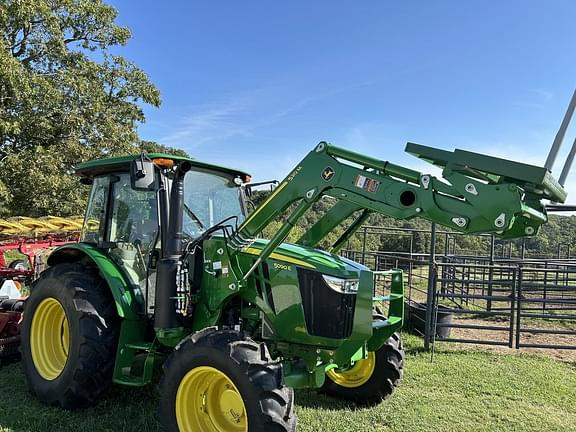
(459, 391)
(13, 255)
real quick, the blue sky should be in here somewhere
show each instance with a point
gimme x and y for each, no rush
(256, 84)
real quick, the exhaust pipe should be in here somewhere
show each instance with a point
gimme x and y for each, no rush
(167, 273)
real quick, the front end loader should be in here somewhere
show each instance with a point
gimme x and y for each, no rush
(171, 270)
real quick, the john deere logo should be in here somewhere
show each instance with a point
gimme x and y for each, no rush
(328, 173)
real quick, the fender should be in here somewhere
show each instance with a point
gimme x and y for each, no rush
(127, 297)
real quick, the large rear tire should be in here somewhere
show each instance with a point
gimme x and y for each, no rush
(69, 336)
(219, 381)
(369, 381)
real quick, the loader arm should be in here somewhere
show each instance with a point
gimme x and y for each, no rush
(478, 194)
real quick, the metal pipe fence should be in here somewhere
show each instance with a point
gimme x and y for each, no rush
(493, 299)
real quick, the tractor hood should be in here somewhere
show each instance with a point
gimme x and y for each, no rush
(306, 257)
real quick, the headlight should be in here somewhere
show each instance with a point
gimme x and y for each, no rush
(344, 286)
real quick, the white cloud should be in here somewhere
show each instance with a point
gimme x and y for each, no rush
(243, 113)
(545, 95)
(536, 98)
(206, 123)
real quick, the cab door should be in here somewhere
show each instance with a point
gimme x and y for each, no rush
(124, 222)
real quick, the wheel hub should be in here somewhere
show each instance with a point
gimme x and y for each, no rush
(49, 339)
(207, 400)
(231, 405)
(355, 376)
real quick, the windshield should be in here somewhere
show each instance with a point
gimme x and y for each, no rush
(209, 198)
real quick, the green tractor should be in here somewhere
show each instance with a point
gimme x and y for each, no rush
(170, 271)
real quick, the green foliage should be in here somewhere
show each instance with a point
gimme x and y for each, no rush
(47, 188)
(154, 147)
(561, 230)
(64, 98)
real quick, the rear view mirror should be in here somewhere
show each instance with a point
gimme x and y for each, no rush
(142, 175)
(249, 187)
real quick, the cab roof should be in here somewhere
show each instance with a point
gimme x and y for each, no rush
(96, 167)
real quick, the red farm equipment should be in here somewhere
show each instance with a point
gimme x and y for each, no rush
(24, 242)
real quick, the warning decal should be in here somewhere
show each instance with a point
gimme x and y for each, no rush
(366, 183)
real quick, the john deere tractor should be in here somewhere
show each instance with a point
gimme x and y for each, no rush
(171, 270)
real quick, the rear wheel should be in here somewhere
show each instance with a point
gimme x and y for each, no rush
(69, 336)
(218, 381)
(369, 381)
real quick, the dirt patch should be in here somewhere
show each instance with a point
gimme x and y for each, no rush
(502, 336)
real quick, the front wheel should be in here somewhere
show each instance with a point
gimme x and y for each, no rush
(218, 381)
(369, 381)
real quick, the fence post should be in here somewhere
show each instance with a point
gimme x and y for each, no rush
(445, 260)
(410, 261)
(364, 246)
(512, 306)
(431, 288)
(545, 283)
(519, 304)
(491, 273)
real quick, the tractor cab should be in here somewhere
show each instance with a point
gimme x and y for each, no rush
(129, 209)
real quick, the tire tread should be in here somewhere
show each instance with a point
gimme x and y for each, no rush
(275, 401)
(98, 325)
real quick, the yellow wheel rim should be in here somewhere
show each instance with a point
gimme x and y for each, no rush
(49, 339)
(355, 376)
(208, 401)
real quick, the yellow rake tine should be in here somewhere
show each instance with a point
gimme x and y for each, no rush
(64, 224)
(9, 227)
(35, 225)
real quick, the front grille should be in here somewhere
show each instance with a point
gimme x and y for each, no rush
(328, 313)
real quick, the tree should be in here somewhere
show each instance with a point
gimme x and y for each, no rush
(49, 187)
(63, 98)
(154, 147)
